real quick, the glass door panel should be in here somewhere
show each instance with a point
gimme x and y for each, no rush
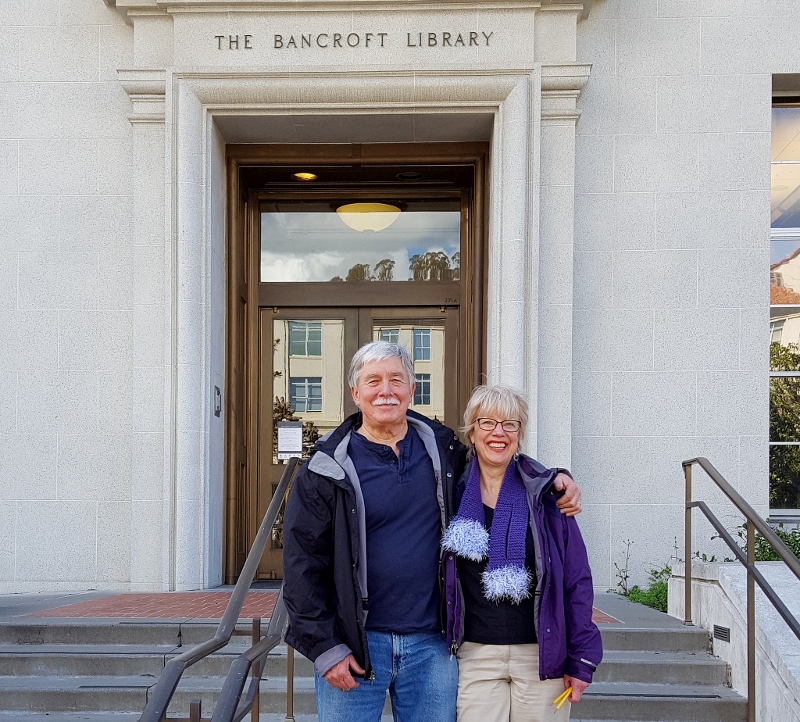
(303, 367)
(305, 357)
(391, 240)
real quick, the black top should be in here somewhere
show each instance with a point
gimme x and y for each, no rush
(501, 622)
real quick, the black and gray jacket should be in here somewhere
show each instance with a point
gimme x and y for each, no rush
(324, 554)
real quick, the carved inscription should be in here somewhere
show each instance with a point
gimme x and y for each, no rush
(233, 42)
(372, 40)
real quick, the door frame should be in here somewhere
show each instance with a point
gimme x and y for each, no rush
(242, 296)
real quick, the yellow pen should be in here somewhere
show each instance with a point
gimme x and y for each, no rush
(558, 701)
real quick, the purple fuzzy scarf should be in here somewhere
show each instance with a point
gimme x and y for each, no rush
(506, 576)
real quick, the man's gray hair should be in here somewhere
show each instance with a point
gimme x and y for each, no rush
(379, 351)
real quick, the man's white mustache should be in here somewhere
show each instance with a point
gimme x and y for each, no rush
(383, 402)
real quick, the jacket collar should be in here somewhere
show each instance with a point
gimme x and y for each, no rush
(329, 454)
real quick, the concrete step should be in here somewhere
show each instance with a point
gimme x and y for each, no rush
(660, 703)
(122, 631)
(134, 716)
(127, 660)
(677, 639)
(697, 668)
(124, 693)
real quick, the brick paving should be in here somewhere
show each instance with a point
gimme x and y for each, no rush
(172, 605)
(599, 617)
(189, 605)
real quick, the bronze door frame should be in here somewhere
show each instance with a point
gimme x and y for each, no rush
(245, 295)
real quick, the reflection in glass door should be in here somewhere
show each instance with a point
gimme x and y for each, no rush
(303, 379)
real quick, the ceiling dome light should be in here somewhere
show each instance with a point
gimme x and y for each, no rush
(304, 176)
(368, 216)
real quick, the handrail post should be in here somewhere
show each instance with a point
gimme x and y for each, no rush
(751, 623)
(195, 713)
(687, 545)
(289, 684)
(256, 671)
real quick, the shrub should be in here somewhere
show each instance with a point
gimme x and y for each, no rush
(655, 595)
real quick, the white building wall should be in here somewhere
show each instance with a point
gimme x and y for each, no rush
(671, 255)
(669, 299)
(66, 297)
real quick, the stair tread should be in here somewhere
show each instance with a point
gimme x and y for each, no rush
(113, 649)
(650, 689)
(652, 657)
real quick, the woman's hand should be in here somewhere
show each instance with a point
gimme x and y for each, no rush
(578, 687)
(570, 501)
(339, 675)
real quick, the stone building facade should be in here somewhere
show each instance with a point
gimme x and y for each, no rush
(623, 206)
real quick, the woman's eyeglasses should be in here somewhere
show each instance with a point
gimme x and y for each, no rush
(509, 425)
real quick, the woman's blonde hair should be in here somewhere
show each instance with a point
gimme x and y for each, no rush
(497, 402)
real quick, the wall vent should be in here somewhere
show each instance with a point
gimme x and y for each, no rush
(723, 633)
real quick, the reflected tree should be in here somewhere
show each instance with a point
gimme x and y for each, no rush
(384, 269)
(455, 266)
(784, 425)
(359, 272)
(430, 266)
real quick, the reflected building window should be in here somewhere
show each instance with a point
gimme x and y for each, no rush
(305, 338)
(305, 393)
(422, 392)
(422, 344)
(784, 291)
(392, 335)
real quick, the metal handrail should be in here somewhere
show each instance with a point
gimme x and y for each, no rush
(231, 707)
(162, 692)
(754, 523)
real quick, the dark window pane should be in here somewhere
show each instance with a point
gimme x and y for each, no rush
(784, 477)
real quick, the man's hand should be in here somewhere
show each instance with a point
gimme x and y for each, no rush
(339, 675)
(578, 687)
(570, 502)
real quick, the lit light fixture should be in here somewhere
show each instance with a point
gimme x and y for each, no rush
(304, 176)
(368, 216)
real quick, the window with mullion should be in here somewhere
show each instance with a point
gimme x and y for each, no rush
(305, 393)
(305, 338)
(784, 333)
(422, 391)
(422, 344)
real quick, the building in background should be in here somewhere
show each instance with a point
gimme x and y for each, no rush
(206, 208)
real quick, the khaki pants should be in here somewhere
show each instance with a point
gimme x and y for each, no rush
(500, 683)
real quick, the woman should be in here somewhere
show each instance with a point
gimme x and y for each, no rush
(519, 589)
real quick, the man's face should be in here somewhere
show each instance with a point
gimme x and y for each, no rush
(383, 392)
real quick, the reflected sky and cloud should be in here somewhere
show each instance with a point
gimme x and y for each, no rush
(299, 246)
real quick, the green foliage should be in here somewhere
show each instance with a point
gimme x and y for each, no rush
(764, 551)
(784, 425)
(655, 595)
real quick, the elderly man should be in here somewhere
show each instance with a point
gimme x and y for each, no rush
(377, 489)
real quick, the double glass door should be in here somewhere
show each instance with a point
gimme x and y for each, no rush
(331, 247)
(304, 359)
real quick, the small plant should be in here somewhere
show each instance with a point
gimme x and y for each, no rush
(763, 549)
(655, 595)
(622, 571)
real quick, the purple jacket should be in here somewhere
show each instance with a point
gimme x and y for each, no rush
(569, 642)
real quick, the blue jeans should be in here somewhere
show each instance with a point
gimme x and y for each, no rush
(416, 670)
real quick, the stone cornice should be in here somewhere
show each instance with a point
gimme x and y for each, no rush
(147, 91)
(134, 6)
